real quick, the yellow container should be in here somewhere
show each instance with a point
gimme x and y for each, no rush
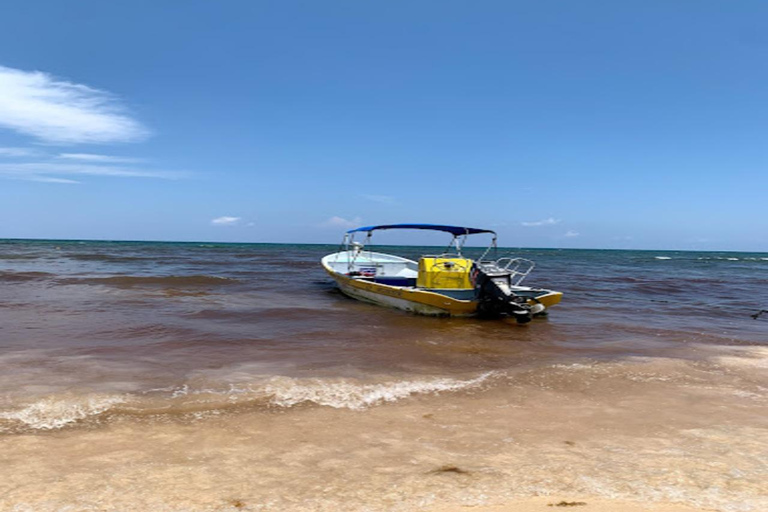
(444, 273)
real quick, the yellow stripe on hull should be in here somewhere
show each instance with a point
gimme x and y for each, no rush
(418, 301)
(549, 299)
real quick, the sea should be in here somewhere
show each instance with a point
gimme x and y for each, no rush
(201, 376)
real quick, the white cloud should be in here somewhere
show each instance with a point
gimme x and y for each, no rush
(89, 157)
(546, 222)
(35, 170)
(46, 179)
(17, 152)
(341, 222)
(225, 221)
(59, 112)
(571, 234)
(379, 199)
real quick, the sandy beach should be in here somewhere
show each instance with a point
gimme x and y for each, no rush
(586, 504)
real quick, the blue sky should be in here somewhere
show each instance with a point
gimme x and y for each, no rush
(633, 124)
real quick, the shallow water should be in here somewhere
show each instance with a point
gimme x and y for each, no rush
(171, 376)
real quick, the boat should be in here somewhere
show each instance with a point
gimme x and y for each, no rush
(445, 284)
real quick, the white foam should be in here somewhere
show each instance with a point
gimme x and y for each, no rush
(662, 257)
(344, 394)
(340, 393)
(755, 357)
(52, 413)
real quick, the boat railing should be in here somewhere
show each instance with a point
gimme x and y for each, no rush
(519, 268)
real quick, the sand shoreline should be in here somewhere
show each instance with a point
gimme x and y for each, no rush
(576, 504)
(537, 504)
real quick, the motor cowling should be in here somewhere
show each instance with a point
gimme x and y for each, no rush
(493, 288)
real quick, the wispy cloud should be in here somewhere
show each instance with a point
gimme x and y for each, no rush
(89, 157)
(59, 112)
(341, 222)
(225, 221)
(35, 170)
(379, 199)
(545, 222)
(15, 152)
(571, 234)
(48, 179)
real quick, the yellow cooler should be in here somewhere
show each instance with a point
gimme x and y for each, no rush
(444, 273)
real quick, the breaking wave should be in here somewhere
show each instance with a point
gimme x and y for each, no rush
(53, 413)
(286, 392)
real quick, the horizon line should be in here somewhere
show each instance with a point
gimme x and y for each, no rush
(336, 243)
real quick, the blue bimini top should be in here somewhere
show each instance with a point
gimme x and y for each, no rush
(454, 230)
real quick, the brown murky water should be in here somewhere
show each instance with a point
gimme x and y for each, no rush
(186, 377)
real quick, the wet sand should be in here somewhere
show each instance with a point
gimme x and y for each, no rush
(500, 442)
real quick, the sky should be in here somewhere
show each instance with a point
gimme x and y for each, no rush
(584, 124)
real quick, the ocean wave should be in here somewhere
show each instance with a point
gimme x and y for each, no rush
(54, 413)
(731, 258)
(280, 391)
(662, 257)
(129, 281)
(11, 277)
(105, 257)
(187, 402)
(287, 392)
(19, 256)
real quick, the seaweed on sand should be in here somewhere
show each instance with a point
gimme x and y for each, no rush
(450, 469)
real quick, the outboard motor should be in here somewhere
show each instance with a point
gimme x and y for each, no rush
(493, 286)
